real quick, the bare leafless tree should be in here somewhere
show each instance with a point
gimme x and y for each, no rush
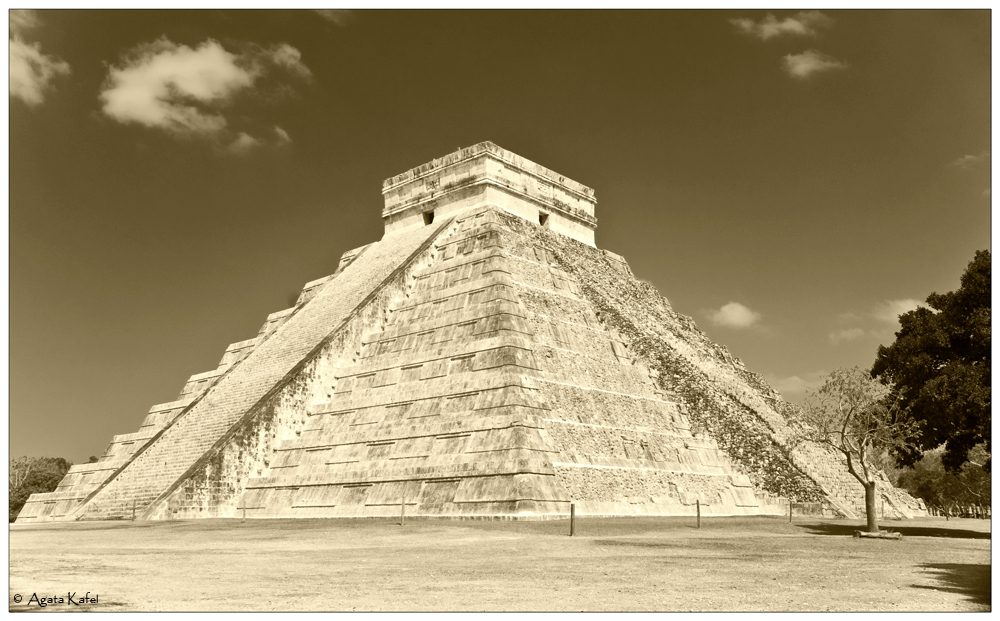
(852, 413)
(20, 468)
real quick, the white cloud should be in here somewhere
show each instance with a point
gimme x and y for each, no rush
(289, 58)
(22, 20)
(968, 162)
(734, 315)
(184, 91)
(339, 17)
(890, 310)
(31, 71)
(805, 23)
(794, 387)
(876, 323)
(848, 334)
(158, 84)
(243, 144)
(801, 66)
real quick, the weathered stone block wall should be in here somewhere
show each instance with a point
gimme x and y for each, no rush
(623, 448)
(84, 479)
(183, 443)
(503, 367)
(485, 174)
(213, 489)
(634, 486)
(734, 406)
(436, 407)
(217, 487)
(746, 439)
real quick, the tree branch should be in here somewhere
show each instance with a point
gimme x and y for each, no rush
(850, 468)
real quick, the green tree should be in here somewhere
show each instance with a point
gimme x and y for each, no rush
(939, 367)
(852, 414)
(32, 475)
(938, 487)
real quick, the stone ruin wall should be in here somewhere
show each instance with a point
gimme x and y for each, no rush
(487, 174)
(435, 409)
(721, 396)
(727, 405)
(424, 442)
(215, 488)
(84, 479)
(170, 456)
(624, 448)
(640, 412)
(218, 482)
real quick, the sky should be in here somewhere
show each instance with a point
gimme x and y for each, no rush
(792, 180)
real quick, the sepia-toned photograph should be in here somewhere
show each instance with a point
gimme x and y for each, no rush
(506, 310)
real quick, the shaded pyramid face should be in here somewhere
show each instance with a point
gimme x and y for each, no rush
(483, 359)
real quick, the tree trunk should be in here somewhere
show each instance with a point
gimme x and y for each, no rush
(870, 507)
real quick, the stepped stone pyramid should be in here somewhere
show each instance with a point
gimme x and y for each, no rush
(484, 359)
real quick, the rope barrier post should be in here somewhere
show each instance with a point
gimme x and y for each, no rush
(697, 504)
(402, 511)
(572, 519)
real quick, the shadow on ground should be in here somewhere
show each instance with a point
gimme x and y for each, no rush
(972, 581)
(847, 530)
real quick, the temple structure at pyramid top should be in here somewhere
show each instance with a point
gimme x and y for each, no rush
(484, 359)
(485, 174)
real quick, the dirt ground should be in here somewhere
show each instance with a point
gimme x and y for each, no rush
(730, 564)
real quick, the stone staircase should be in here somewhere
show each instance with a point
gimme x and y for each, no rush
(140, 475)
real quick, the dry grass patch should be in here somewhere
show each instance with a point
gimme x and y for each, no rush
(731, 564)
